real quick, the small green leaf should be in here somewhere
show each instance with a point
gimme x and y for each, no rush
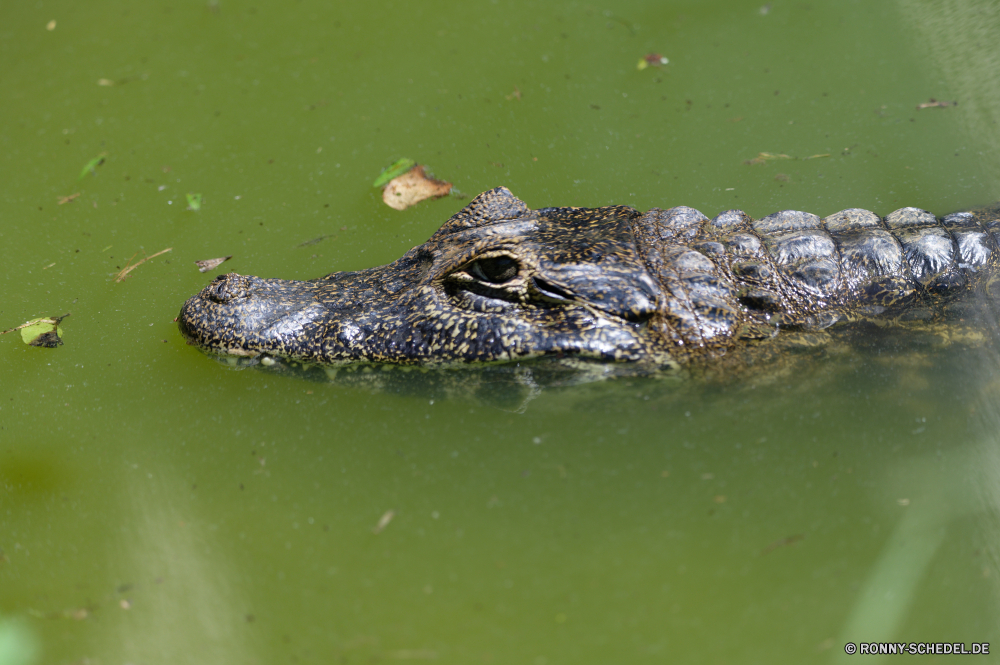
(41, 332)
(194, 201)
(91, 166)
(398, 168)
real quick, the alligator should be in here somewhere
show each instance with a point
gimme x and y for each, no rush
(500, 282)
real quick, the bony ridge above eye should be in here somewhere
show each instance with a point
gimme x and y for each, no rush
(495, 269)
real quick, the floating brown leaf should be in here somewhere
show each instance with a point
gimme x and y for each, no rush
(413, 187)
(764, 157)
(934, 103)
(210, 264)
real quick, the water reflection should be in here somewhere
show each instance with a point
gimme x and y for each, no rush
(181, 592)
(938, 491)
(935, 496)
(961, 39)
(603, 523)
(508, 386)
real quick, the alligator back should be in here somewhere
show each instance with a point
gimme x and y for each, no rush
(733, 277)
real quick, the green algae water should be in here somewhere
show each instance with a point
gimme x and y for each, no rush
(157, 507)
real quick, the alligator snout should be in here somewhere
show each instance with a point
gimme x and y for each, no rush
(243, 315)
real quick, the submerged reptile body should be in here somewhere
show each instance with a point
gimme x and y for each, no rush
(501, 282)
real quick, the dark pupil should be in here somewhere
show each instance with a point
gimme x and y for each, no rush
(498, 269)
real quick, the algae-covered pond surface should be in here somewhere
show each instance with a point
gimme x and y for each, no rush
(156, 506)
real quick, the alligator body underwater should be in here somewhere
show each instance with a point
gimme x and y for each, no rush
(665, 288)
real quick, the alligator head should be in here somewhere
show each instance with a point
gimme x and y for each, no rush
(497, 282)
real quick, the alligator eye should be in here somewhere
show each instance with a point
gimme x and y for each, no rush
(496, 270)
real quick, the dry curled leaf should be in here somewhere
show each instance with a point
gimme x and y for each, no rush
(413, 187)
(209, 264)
(763, 157)
(934, 103)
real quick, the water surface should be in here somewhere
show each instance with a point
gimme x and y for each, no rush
(157, 507)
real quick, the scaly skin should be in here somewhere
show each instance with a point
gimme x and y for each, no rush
(500, 282)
